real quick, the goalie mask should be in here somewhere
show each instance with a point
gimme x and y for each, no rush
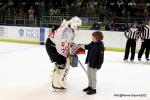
(75, 23)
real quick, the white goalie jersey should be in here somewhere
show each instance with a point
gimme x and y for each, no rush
(62, 38)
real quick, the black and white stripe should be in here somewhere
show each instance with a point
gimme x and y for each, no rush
(132, 33)
(146, 33)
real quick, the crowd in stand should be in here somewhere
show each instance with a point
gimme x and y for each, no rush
(24, 9)
(117, 8)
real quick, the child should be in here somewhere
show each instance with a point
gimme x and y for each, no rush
(94, 60)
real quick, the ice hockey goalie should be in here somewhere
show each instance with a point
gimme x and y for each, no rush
(58, 46)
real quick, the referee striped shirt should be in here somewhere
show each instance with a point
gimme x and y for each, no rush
(145, 34)
(132, 33)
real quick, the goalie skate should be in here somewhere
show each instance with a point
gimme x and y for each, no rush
(59, 77)
(59, 90)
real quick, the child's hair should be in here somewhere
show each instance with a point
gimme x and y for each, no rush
(98, 35)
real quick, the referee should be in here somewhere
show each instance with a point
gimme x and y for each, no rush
(132, 34)
(145, 37)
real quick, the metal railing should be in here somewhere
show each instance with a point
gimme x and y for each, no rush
(19, 22)
(47, 21)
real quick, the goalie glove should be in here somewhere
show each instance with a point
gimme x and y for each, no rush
(82, 46)
(76, 49)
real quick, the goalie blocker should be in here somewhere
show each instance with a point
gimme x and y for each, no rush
(74, 51)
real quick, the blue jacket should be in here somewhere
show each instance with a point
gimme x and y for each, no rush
(95, 56)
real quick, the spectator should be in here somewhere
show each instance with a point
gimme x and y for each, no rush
(51, 11)
(57, 11)
(63, 10)
(8, 12)
(31, 13)
(10, 3)
(21, 13)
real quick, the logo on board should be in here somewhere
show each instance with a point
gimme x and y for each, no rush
(29, 33)
(21, 32)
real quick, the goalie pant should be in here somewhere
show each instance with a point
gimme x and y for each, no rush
(56, 57)
(53, 54)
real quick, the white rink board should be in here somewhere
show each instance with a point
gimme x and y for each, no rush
(112, 39)
(23, 33)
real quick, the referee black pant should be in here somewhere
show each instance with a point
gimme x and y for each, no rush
(145, 45)
(131, 44)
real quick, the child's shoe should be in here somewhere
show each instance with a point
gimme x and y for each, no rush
(139, 59)
(92, 91)
(87, 89)
(147, 59)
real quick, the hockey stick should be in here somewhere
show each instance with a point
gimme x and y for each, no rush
(82, 66)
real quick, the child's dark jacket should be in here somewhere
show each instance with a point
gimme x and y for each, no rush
(95, 56)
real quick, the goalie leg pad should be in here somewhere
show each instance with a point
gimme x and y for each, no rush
(58, 78)
(67, 68)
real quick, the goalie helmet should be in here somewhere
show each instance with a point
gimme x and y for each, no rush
(75, 23)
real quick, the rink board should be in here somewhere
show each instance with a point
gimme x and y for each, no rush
(113, 40)
(20, 34)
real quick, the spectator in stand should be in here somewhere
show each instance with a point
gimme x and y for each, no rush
(57, 11)
(63, 9)
(51, 11)
(8, 12)
(10, 4)
(31, 13)
(31, 16)
(19, 13)
(95, 3)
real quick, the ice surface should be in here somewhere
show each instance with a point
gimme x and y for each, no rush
(25, 75)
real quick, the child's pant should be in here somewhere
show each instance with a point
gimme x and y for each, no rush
(92, 77)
